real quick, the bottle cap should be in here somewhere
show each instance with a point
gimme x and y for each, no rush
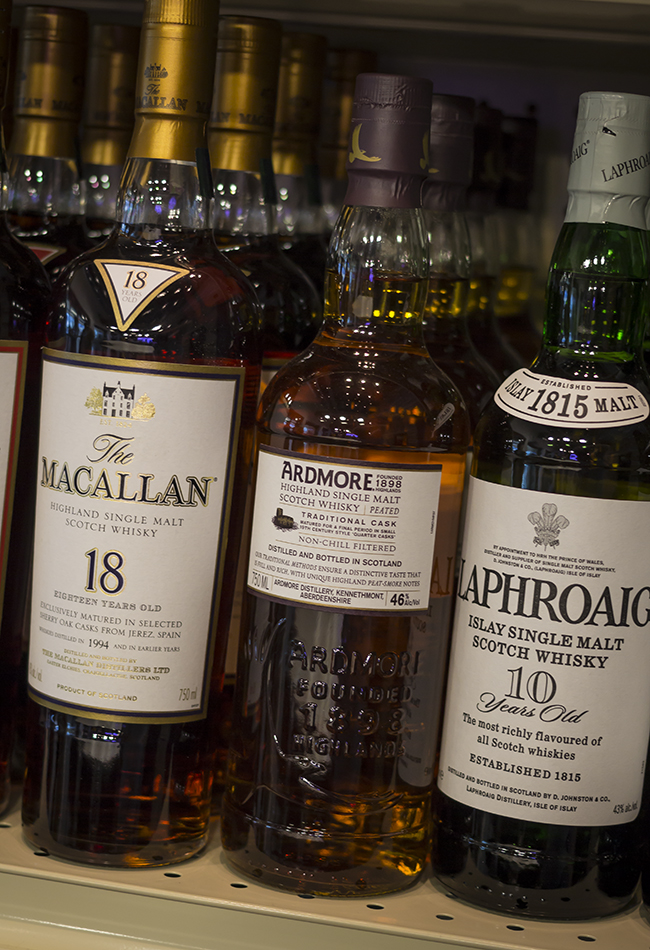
(174, 77)
(245, 91)
(609, 177)
(5, 35)
(451, 148)
(110, 89)
(519, 145)
(388, 153)
(298, 111)
(342, 68)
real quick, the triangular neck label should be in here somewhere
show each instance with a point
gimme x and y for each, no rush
(45, 252)
(132, 285)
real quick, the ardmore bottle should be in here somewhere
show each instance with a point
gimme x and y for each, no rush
(548, 708)
(150, 382)
(361, 452)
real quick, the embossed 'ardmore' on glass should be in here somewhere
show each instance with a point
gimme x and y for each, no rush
(150, 381)
(361, 453)
(548, 709)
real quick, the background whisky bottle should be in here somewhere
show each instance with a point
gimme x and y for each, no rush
(24, 290)
(45, 197)
(154, 353)
(331, 765)
(547, 717)
(444, 202)
(107, 120)
(302, 224)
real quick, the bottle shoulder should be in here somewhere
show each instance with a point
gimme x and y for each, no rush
(389, 396)
(24, 289)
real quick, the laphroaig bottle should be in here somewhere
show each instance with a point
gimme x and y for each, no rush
(24, 289)
(108, 120)
(486, 266)
(301, 219)
(548, 708)
(519, 245)
(444, 202)
(149, 388)
(341, 70)
(45, 197)
(240, 140)
(361, 452)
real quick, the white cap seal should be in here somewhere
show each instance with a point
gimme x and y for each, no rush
(609, 179)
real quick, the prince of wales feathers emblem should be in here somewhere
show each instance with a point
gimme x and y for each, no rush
(548, 525)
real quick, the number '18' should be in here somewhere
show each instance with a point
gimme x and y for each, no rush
(111, 580)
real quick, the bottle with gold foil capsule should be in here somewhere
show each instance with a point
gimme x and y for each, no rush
(444, 202)
(519, 246)
(341, 70)
(24, 291)
(540, 804)
(486, 266)
(240, 139)
(150, 382)
(302, 224)
(45, 198)
(107, 120)
(361, 454)
(239, 136)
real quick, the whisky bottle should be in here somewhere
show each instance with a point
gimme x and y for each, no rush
(24, 290)
(481, 221)
(301, 220)
(444, 202)
(517, 229)
(548, 708)
(361, 452)
(240, 140)
(150, 382)
(45, 196)
(342, 66)
(107, 120)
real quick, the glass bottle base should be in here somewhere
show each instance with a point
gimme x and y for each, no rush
(325, 866)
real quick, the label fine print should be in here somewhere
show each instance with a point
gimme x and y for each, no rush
(340, 533)
(548, 706)
(571, 404)
(134, 482)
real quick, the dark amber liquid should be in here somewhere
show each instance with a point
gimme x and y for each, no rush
(319, 798)
(309, 252)
(484, 328)
(514, 312)
(66, 235)
(109, 792)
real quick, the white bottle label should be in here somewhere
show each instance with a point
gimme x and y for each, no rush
(134, 482)
(13, 363)
(571, 404)
(132, 285)
(342, 534)
(548, 704)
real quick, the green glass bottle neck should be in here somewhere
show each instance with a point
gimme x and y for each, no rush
(597, 295)
(377, 275)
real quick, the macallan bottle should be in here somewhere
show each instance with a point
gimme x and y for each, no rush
(24, 290)
(301, 219)
(484, 239)
(150, 382)
(341, 70)
(547, 718)
(240, 139)
(444, 201)
(45, 197)
(107, 120)
(519, 245)
(360, 460)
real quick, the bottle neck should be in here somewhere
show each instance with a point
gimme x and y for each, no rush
(449, 273)
(242, 210)
(376, 280)
(597, 295)
(161, 194)
(300, 208)
(44, 186)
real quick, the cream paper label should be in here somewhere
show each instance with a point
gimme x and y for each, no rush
(571, 404)
(548, 705)
(132, 285)
(134, 482)
(338, 533)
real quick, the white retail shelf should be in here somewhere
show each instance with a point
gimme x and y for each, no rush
(48, 904)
